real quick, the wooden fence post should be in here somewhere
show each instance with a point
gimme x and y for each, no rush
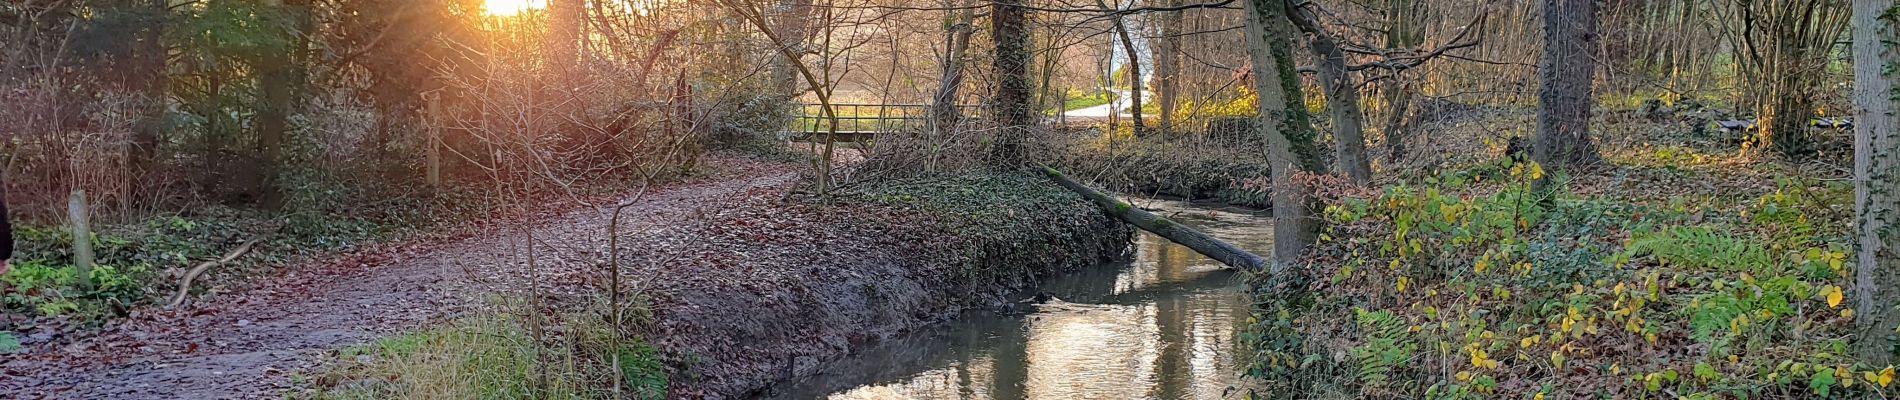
(82, 237)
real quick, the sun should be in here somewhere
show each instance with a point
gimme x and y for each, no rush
(507, 8)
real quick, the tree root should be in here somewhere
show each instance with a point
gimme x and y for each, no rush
(184, 284)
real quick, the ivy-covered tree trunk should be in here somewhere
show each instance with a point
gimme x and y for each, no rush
(1288, 129)
(1563, 106)
(1342, 99)
(1877, 177)
(1013, 113)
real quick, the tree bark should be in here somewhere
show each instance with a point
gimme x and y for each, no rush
(1135, 85)
(278, 84)
(943, 112)
(152, 58)
(1877, 179)
(1010, 30)
(1342, 99)
(1402, 31)
(1167, 58)
(1397, 127)
(1288, 129)
(1187, 236)
(793, 29)
(1563, 107)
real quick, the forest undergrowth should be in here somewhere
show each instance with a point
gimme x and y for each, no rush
(1678, 269)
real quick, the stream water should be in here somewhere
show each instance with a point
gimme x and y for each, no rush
(1160, 326)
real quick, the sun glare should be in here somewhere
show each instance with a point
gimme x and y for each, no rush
(506, 8)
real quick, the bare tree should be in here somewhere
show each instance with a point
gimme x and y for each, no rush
(1563, 107)
(1342, 98)
(1135, 86)
(1876, 178)
(1167, 59)
(1781, 51)
(943, 113)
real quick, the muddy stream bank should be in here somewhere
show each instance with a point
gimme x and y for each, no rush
(1160, 325)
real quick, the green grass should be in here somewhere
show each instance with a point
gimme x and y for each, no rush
(1077, 100)
(493, 357)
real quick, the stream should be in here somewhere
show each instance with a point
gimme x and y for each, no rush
(1160, 326)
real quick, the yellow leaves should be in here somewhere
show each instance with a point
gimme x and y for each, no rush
(1464, 376)
(1884, 378)
(1403, 283)
(1480, 358)
(1557, 358)
(1483, 264)
(1736, 325)
(1530, 341)
(1847, 313)
(1833, 295)
(1539, 396)
(1537, 171)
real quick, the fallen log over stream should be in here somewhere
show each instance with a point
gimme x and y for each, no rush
(1209, 246)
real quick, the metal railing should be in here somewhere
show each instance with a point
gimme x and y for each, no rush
(859, 119)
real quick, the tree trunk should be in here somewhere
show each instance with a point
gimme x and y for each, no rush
(1187, 236)
(1288, 129)
(1563, 109)
(1877, 179)
(943, 112)
(1134, 73)
(793, 28)
(1167, 58)
(1342, 99)
(1013, 111)
(1397, 128)
(152, 53)
(1402, 31)
(278, 83)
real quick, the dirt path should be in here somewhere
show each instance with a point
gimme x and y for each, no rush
(248, 343)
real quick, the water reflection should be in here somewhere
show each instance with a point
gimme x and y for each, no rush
(1160, 326)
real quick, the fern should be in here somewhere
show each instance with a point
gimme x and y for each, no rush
(1388, 345)
(1700, 248)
